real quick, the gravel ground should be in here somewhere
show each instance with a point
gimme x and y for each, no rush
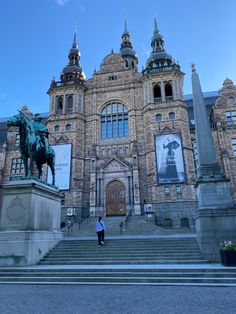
(44, 299)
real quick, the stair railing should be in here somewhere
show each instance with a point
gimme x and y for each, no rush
(82, 220)
(124, 224)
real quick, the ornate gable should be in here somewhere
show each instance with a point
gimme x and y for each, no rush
(227, 97)
(115, 165)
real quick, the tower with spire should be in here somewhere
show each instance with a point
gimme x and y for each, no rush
(66, 122)
(166, 121)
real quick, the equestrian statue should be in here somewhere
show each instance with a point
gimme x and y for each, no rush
(34, 145)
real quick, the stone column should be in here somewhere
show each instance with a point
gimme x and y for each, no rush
(64, 105)
(163, 95)
(216, 215)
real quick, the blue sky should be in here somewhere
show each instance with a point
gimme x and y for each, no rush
(36, 36)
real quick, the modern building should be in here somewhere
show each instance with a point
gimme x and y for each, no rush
(125, 139)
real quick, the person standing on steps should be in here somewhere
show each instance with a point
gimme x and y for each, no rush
(100, 229)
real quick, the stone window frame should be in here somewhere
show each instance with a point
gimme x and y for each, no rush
(167, 191)
(59, 104)
(230, 117)
(233, 143)
(171, 116)
(68, 127)
(157, 117)
(57, 128)
(17, 166)
(69, 104)
(178, 189)
(17, 140)
(114, 121)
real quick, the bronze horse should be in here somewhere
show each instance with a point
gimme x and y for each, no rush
(28, 147)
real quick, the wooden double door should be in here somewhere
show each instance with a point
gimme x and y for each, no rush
(115, 199)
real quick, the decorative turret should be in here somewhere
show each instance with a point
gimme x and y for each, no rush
(126, 50)
(73, 71)
(159, 59)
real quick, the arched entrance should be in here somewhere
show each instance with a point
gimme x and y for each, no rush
(115, 199)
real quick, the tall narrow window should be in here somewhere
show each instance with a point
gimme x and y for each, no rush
(168, 89)
(233, 142)
(59, 105)
(114, 121)
(69, 105)
(17, 142)
(158, 117)
(157, 93)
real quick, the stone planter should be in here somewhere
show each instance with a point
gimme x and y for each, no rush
(228, 258)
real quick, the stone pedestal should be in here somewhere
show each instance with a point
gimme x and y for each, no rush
(214, 225)
(29, 222)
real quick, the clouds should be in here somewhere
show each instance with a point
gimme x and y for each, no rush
(62, 3)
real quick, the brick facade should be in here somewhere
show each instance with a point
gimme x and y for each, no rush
(75, 117)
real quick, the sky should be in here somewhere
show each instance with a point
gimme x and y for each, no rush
(36, 36)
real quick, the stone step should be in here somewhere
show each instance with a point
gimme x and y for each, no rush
(124, 262)
(121, 251)
(168, 276)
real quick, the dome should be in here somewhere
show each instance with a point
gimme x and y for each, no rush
(159, 56)
(127, 52)
(71, 69)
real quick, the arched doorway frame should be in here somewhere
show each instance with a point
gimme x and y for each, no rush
(122, 205)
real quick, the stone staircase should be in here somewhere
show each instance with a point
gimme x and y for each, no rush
(143, 255)
(123, 251)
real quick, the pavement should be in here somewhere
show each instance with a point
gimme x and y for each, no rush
(116, 299)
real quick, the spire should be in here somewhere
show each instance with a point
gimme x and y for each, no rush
(157, 42)
(159, 59)
(156, 30)
(75, 45)
(73, 70)
(125, 31)
(126, 49)
(126, 40)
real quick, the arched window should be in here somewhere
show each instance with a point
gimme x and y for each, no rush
(168, 90)
(171, 116)
(68, 127)
(126, 63)
(57, 128)
(184, 222)
(69, 104)
(156, 91)
(168, 222)
(158, 117)
(132, 64)
(114, 121)
(59, 105)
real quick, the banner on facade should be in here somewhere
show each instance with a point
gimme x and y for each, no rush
(62, 166)
(169, 158)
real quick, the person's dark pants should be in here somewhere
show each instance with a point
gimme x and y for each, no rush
(100, 237)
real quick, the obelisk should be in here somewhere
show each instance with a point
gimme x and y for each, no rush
(216, 215)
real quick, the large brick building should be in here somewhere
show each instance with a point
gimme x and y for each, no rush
(129, 135)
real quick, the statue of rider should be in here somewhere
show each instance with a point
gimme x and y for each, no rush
(41, 133)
